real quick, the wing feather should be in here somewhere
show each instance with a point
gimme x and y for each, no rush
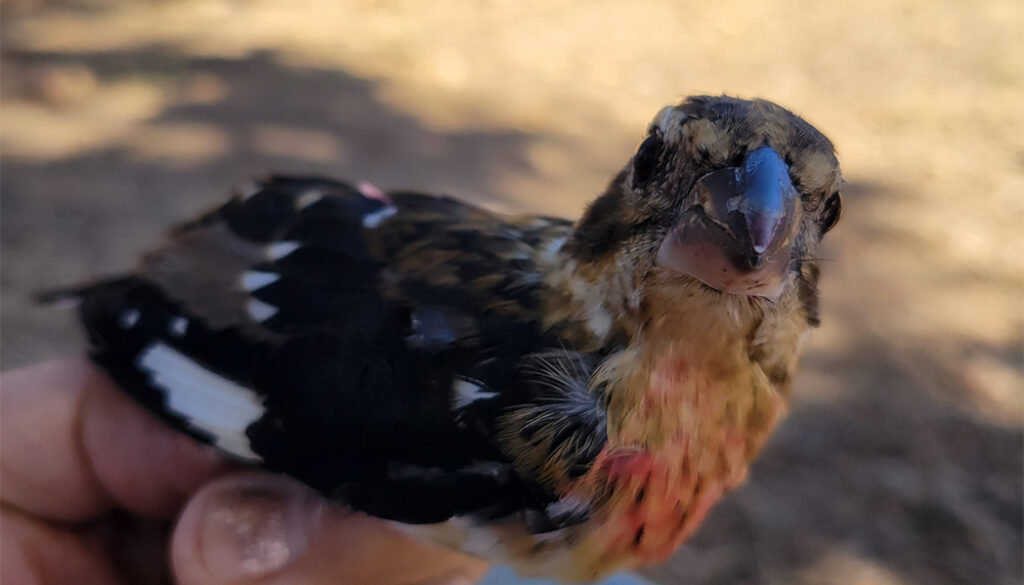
(335, 336)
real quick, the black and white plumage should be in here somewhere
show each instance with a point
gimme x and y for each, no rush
(569, 398)
(276, 329)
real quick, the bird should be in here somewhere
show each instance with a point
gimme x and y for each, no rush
(569, 398)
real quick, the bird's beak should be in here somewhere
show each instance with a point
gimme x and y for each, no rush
(738, 231)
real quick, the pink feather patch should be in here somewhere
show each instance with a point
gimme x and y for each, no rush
(371, 192)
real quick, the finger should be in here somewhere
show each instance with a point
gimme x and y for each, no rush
(253, 528)
(43, 468)
(72, 445)
(143, 464)
(35, 553)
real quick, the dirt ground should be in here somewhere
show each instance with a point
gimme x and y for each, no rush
(902, 459)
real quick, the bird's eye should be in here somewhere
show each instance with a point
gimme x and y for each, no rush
(830, 212)
(646, 159)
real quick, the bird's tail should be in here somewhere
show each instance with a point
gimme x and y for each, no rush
(165, 360)
(72, 295)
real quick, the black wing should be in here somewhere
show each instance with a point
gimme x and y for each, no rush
(377, 347)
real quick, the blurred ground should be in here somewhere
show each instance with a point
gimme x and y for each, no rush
(901, 462)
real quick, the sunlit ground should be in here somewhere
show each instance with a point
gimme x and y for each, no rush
(901, 461)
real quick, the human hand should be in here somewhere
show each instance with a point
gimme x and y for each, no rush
(91, 484)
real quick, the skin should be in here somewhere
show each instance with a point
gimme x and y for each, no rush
(92, 485)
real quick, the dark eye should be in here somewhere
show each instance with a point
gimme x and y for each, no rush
(646, 159)
(830, 212)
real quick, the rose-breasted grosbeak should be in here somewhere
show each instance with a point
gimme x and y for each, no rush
(568, 398)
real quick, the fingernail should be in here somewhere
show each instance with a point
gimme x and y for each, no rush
(256, 526)
(449, 579)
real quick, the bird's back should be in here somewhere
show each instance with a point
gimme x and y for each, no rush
(362, 342)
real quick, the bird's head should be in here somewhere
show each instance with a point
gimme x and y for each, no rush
(723, 194)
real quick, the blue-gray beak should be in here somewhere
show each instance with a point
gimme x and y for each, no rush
(755, 203)
(738, 231)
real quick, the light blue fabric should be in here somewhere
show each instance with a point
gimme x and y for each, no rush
(505, 576)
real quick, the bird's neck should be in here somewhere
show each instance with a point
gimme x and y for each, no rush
(688, 408)
(713, 370)
(677, 348)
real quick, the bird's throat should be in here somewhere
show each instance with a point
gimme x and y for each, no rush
(682, 432)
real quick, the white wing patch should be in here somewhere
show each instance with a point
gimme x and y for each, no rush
(128, 318)
(279, 250)
(209, 402)
(256, 279)
(466, 392)
(372, 220)
(308, 198)
(178, 326)
(260, 311)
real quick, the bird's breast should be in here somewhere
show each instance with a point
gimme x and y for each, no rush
(685, 432)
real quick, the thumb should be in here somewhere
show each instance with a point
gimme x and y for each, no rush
(259, 528)
(243, 528)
